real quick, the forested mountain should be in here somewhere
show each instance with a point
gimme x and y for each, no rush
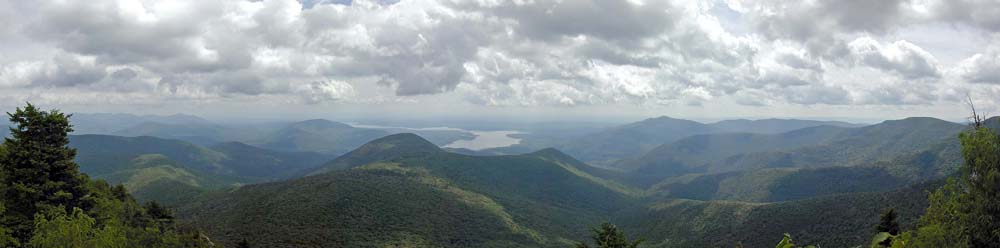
(170, 170)
(320, 136)
(815, 147)
(782, 184)
(844, 220)
(545, 198)
(632, 139)
(858, 146)
(198, 133)
(532, 199)
(47, 202)
(774, 125)
(403, 190)
(106, 123)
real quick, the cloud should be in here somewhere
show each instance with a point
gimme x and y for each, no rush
(981, 68)
(901, 57)
(492, 52)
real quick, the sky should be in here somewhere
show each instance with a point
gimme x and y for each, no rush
(519, 59)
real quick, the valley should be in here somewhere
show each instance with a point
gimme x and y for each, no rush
(748, 182)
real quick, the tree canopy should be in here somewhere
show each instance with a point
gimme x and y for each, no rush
(47, 202)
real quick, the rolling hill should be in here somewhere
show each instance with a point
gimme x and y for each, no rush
(633, 139)
(154, 177)
(774, 126)
(538, 199)
(321, 136)
(105, 123)
(784, 184)
(814, 147)
(857, 146)
(401, 190)
(842, 220)
(690, 154)
(197, 133)
(174, 171)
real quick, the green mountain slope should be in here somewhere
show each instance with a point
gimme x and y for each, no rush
(154, 177)
(375, 207)
(107, 123)
(845, 220)
(689, 155)
(774, 126)
(320, 136)
(857, 146)
(631, 139)
(174, 171)
(197, 133)
(103, 154)
(544, 198)
(264, 164)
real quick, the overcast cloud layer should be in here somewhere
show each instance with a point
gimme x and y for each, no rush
(523, 53)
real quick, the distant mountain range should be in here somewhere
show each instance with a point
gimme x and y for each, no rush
(677, 183)
(814, 147)
(402, 190)
(180, 170)
(318, 135)
(773, 126)
(607, 147)
(379, 195)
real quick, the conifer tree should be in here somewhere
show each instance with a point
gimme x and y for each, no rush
(39, 168)
(609, 236)
(887, 222)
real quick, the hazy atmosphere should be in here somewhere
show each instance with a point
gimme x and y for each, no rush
(500, 123)
(541, 59)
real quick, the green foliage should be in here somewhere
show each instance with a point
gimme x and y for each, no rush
(371, 207)
(981, 149)
(5, 239)
(75, 230)
(54, 205)
(887, 240)
(609, 236)
(787, 242)
(966, 211)
(425, 197)
(39, 168)
(843, 220)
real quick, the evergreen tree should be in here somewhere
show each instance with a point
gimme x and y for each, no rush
(39, 168)
(243, 244)
(609, 236)
(887, 222)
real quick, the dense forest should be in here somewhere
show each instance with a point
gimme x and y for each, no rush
(47, 202)
(402, 190)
